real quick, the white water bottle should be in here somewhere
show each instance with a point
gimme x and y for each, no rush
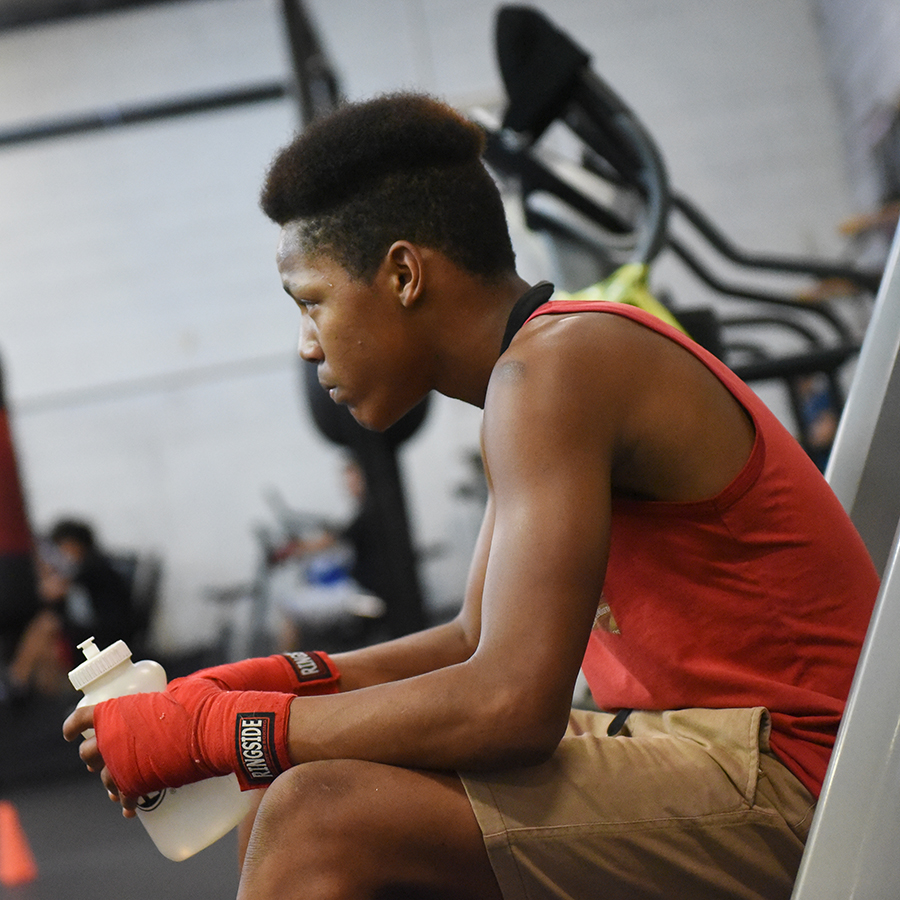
(181, 821)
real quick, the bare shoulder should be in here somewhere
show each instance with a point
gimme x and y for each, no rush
(668, 428)
(583, 346)
(560, 397)
(580, 366)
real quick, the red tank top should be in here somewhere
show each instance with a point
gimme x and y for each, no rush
(760, 596)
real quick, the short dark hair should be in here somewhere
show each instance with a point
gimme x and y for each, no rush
(396, 167)
(74, 530)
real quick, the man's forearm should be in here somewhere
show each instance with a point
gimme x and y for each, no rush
(407, 656)
(460, 717)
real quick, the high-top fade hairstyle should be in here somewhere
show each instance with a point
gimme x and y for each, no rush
(397, 167)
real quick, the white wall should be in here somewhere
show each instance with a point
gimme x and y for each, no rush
(861, 39)
(147, 345)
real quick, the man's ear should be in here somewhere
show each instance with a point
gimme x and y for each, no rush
(406, 267)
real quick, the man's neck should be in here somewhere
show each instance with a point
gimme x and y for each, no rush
(473, 341)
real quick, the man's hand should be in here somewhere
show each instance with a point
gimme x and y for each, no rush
(146, 742)
(151, 741)
(79, 722)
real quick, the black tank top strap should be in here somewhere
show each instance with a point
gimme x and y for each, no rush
(525, 306)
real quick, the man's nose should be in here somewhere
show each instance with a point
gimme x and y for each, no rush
(308, 348)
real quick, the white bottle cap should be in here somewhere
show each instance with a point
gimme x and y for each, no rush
(97, 662)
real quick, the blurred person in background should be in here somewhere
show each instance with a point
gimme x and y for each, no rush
(82, 594)
(336, 576)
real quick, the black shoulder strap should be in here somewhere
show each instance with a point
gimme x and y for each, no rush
(525, 306)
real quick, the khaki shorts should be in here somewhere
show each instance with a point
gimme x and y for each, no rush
(681, 805)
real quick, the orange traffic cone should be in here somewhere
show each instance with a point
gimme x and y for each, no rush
(17, 865)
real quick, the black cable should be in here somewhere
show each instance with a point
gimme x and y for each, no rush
(868, 281)
(734, 290)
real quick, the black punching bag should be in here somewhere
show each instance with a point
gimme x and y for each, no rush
(386, 511)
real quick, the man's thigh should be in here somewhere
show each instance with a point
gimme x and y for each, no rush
(351, 828)
(685, 804)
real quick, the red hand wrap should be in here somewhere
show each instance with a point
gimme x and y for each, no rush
(296, 673)
(152, 741)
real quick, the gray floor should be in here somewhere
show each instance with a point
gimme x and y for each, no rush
(84, 848)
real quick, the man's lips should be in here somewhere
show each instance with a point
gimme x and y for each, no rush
(330, 389)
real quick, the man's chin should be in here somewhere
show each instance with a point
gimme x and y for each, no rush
(365, 424)
(368, 423)
(377, 420)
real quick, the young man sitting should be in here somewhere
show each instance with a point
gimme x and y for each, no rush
(649, 519)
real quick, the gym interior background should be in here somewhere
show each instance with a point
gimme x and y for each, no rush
(148, 350)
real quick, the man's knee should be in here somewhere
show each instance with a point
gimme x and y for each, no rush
(319, 799)
(308, 832)
(357, 829)
(341, 806)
